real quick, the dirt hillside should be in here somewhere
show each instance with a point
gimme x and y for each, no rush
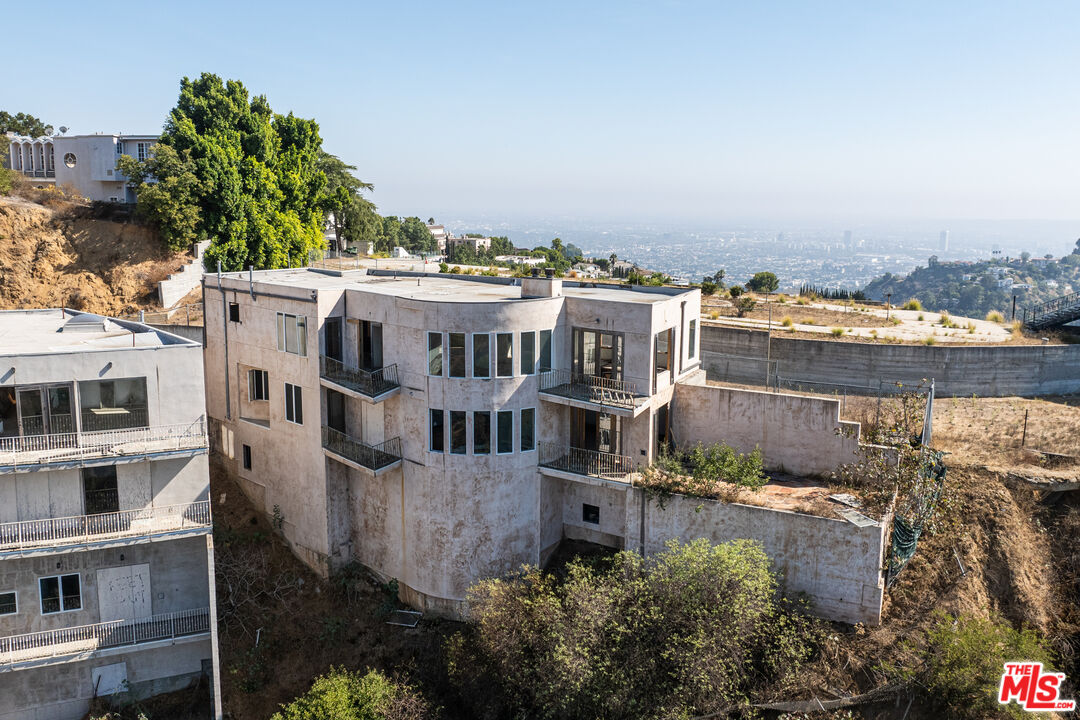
(51, 256)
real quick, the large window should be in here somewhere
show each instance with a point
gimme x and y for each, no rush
(435, 430)
(294, 404)
(457, 355)
(434, 353)
(545, 351)
(100, 493)
(9, 604)
(458, 433)
(504, 354)
(528, 353)
(292, 334)
(481, 433)
(60, 593)
(663, 351)
(113, 404)
(258, 385)
(528, 429)
(692, 339)
(481, 355)
(505, 435)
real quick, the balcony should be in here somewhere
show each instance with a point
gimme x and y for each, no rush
(587, 463)
(75, 643)
(373, 385)
(41, 537)
(33, 452)
(357, 454)
(590, 391)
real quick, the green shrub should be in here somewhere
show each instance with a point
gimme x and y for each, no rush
(995, 317)
(735, 291)
(708, 287)
(913, 304)
(787, 321)
(744, 305)
(344, 695)
(963, 661)
(929, 341)
(8, 178)
(837, 331)
(683, 633)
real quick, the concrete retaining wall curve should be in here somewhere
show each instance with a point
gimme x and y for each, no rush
(738, 355)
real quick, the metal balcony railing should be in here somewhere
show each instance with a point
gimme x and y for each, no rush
(97, 419)
(66, 447)
(590, 388)
(373, 457)
(591, 463)
(83, 529)
(371, 383)
(100, 636)
(1057, 311)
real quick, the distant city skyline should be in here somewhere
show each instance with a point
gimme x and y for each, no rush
(833, 114)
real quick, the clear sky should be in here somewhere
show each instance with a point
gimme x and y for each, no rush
(835, 111)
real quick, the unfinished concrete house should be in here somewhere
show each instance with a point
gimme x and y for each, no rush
(106, 552)
(441, 429)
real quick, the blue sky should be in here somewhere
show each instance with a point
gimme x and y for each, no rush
(689, 111)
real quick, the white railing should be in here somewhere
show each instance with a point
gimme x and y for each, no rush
(64, 447)
(81, 529)
(99, 636)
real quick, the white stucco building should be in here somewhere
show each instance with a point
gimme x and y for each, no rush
(442, 429)
(85, 163)
(106, 548)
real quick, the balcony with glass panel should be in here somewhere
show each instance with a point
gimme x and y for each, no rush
(595, 380)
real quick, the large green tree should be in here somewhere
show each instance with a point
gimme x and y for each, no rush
(354, 218)
(260, 194)
(23, 124)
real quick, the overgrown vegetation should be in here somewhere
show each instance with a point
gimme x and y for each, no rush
(962, 660)
(696, 629)
(344, 695)
(710, 471)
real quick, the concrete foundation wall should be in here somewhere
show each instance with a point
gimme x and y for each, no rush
(64, 691)
(797, 434)
(737, 355)
(835, 562)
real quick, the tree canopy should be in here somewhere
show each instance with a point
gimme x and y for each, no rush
(259, 191)
(763, 282)
(23, 124)
(344, 695)
(689, 631)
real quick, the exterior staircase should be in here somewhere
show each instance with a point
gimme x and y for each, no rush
(179, 284)
(1053, 313)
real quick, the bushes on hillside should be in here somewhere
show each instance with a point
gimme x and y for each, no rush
(344, 695)
(690, 631)
(913, 304)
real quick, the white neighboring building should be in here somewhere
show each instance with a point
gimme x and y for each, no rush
(86, 163)
(106, 546)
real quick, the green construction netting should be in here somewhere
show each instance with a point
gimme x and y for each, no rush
(905, 533)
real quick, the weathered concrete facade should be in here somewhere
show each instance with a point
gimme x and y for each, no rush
(454, 428)
(106, 552)
(738, 355)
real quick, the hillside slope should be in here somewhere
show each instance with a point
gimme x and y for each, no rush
(63, 256)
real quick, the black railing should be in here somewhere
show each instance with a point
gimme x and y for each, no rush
(585, 462)
(101, 419)
(1058, 311)
(366, 382)
(373, 457)
(590, 388)
(99, 502)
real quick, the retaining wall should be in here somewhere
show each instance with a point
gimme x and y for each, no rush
(738, 355)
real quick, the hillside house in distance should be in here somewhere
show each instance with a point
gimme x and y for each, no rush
(443, 429)
(106, 549)
(86, 163)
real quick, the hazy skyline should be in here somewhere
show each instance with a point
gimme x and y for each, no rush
(839, 113)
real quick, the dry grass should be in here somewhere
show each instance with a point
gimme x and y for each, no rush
(989, 431)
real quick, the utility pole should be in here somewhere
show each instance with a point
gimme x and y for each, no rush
(768, 342)
(888, 305)
(1014, 308)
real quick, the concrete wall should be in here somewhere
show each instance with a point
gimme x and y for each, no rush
(990, 371)
(179, 580)
(797, 434)
(63, 692)
(835, 562)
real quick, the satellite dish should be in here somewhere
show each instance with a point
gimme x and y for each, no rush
(63, 129)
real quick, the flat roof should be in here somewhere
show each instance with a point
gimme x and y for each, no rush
(438, 287)
(58, 330)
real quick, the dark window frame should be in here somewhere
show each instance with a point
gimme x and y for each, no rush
(482, 422)
(459, 432)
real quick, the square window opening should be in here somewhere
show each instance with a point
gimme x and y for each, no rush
(590, 513)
